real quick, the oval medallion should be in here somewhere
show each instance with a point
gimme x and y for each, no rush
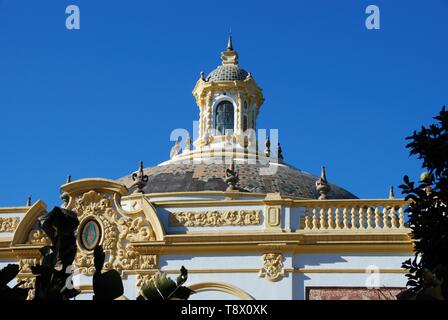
(90, 235)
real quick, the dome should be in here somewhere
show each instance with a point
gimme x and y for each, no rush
(227, 72)
(288, 181)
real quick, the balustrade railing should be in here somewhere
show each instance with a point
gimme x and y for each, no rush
(353, 215)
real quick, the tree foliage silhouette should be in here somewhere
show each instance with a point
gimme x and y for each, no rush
(428, 214)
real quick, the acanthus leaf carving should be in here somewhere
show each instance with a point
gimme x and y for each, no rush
(215, 218)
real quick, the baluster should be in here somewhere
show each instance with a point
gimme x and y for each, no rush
(377, 218)
(401, 219)
(385, 218)
(307, 219)
(362, 222)
(345, 218)
(353, 218)
(393, 215)
(369, 218)
(330, 218)
(322, 219)
(315, 221)
(337, 218)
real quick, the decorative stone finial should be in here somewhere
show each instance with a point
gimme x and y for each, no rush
(229, 42)
(267, 147)
(391, 193)
(140, 179)
(69, 179)
(229, 56)
(279, 152)
(322, 185)
(426, 180)
(231, 177)
(175, 149)
(188, 143)
(28, 201)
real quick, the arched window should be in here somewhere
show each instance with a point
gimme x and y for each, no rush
(224, 117)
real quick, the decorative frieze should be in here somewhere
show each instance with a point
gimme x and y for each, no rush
(272, 269)
(215, 218)
(8, 224)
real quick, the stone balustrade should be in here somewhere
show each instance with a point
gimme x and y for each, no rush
(353, 215)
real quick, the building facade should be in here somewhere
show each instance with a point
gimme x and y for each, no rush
(228, 207)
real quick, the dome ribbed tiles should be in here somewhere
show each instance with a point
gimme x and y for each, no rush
(227, 73)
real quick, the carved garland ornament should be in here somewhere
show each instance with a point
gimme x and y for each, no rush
(215, 218)
(272, 268)
(117, 232)
(8, 224)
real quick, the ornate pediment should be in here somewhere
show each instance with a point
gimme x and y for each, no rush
(102, 220)
(102, 223)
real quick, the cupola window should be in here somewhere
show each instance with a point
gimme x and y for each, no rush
(224, 117)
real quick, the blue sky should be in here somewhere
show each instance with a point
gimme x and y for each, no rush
(93, 102)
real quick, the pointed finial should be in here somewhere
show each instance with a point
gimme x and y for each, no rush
(279, 152)
(323, 174)
(140, 179)
(267, 147)
(202, 76)
(391, 193)
(69, 179)
(229, 42)
(28, 201)
(322, 185)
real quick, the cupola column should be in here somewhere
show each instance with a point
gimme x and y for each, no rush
(239, 109)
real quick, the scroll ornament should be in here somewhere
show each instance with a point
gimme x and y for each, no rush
(118, 231)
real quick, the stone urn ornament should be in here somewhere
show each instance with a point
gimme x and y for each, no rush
(322, 185)
(231, 177)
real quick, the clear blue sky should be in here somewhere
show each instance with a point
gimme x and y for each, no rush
(93, 102)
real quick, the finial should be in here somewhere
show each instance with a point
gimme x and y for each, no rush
(28, 201)
(322, 185)
(175, 149)
(187, 144)
(231, 177)
(391, 193)
(140, 179)
(202, 76)
(229, 42)
(279, 152)
(267, 147)
(69, 179)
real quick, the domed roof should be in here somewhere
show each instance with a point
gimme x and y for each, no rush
(209, 177)
(227, 72)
